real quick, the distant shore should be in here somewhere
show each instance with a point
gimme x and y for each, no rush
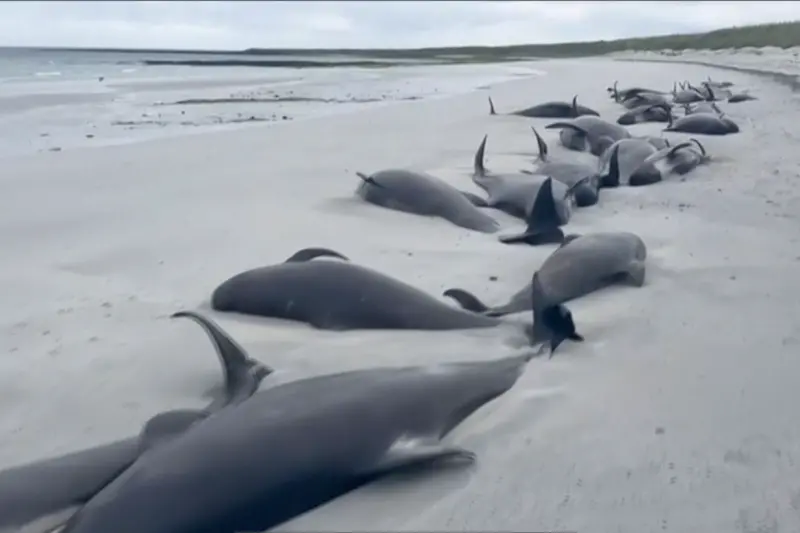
(780, 35)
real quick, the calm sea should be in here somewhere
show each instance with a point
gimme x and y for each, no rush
(51, 100)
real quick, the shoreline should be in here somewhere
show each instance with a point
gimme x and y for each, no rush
(133, 110)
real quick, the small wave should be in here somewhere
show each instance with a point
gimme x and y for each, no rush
(48, 74)
(129, 70)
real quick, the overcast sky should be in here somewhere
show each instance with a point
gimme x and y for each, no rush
(375, 24)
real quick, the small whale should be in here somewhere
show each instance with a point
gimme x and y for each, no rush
(679, 159)
(581, 265)
(516, 193)
(740, 97)
(646, 113)
(423, 194)
(573, 174)
(579, 132)
(703, 124)
(551, 110)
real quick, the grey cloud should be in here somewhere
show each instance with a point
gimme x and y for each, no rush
(373, 24)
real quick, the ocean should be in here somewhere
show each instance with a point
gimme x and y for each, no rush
(52, 100)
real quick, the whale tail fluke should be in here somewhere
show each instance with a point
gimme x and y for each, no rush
(551, 322)
(543, 220)
(491, 107)
(466, 300)
(369, 179)
(242, 373)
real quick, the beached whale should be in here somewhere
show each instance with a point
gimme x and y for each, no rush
(424, 194)
(581, 178)
(645, 113)
(620, 95)
(679, 159)
(551, 110)
(515, 193)
(43, 494)
(592, 132)
(581, 265)
(295, 446)
(703, 124)
(623, 158)
(338, 295)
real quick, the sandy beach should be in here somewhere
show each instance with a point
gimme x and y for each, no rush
(676, 414)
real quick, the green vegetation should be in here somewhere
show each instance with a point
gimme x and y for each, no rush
(782, 35)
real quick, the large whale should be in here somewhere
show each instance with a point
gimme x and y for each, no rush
(581, 265)
(515, 193)
(551, 110)
(43, 494)
(338, 295)
(295, 446)
(423, 194)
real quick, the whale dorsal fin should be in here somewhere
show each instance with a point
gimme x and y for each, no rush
(406, 453)
(543, 220)
(541, 144)
(242, 373)
(479, 168)
(307, 254)
(491, 107)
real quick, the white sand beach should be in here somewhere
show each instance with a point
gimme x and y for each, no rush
(676, 414)
(769, 60)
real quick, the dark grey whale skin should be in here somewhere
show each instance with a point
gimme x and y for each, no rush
(36, 490)
(423, 194)
(582, 265)
(339, 295)
(291, 448)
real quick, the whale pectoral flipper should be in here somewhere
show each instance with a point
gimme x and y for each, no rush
(475, 200)
(466, 300)
(167, 425)
(408, 453)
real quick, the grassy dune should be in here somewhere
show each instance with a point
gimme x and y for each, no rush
(782, 35)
